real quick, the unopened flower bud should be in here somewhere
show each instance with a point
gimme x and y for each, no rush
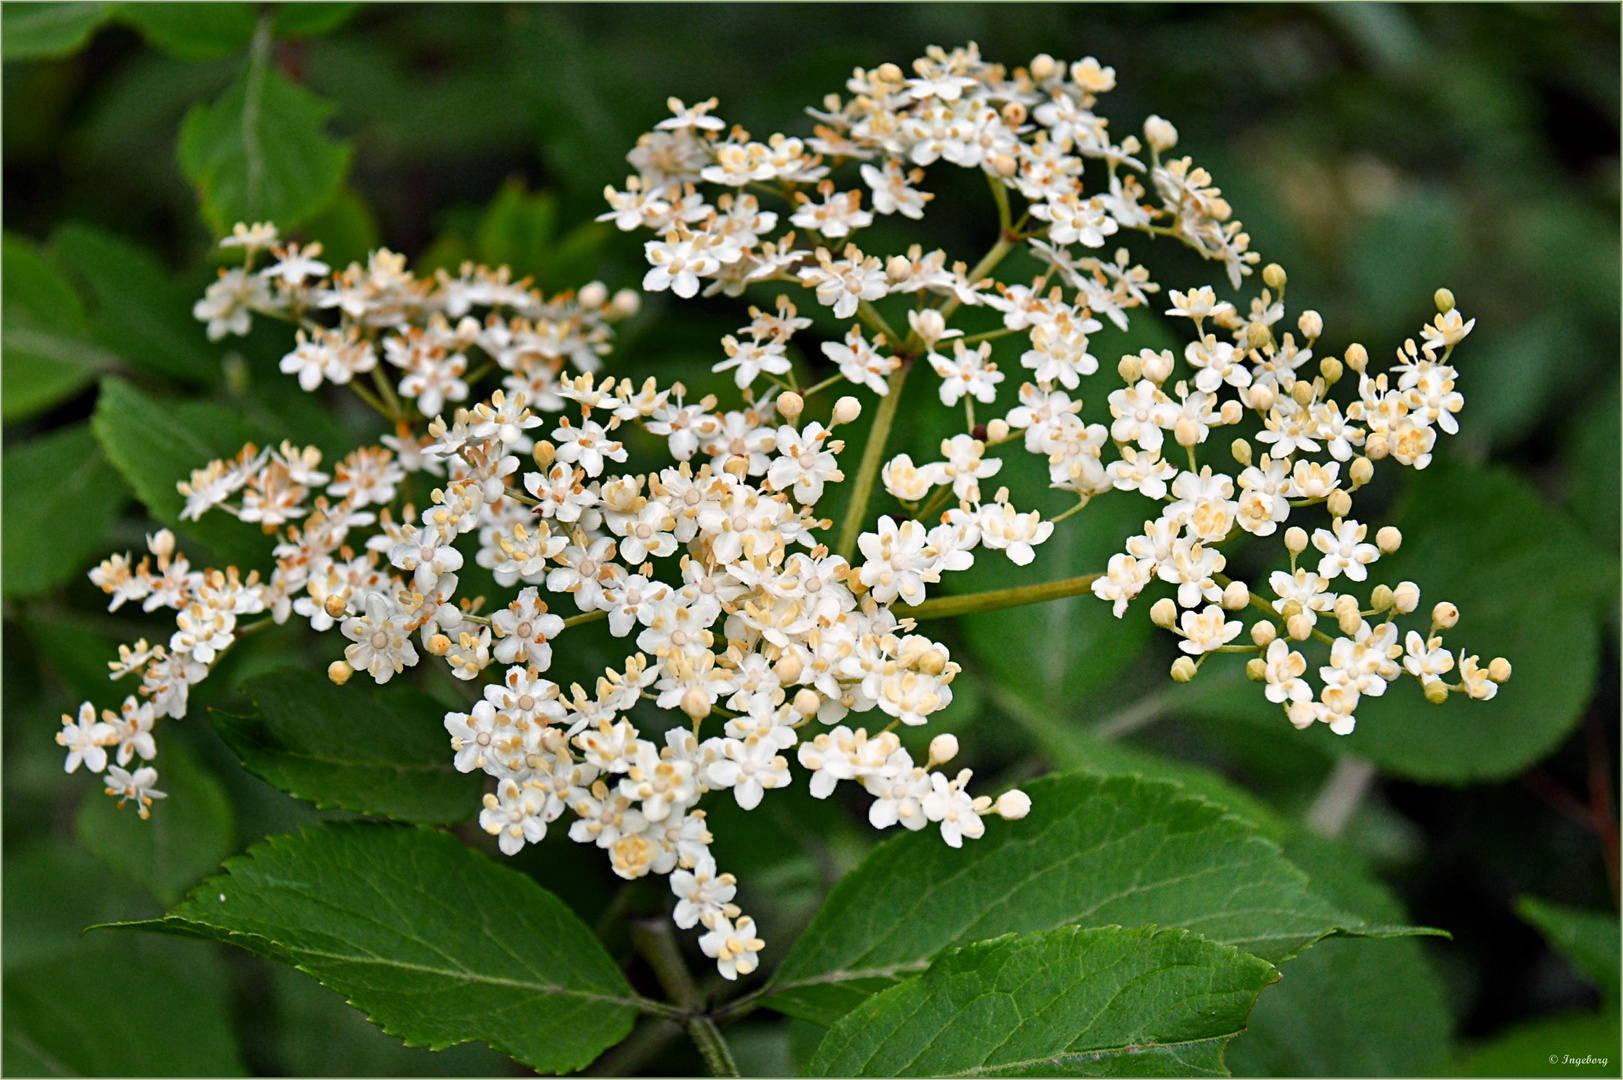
(1299, 626)
(1311, 324)
(1302, 393)
(1131, 369)
(788, 668)
(1444, 300)
(806, 701)
(695, 703)
(1296, 539)
(1263, 397)
(334, 605)
(1348, 619)
(1014, 114)
(1273, 276)
(1436, 691)
(1257, 335)
(1256, 669)
(544, 453)
(627, 302)
(1231, 412)
(943, 748)
(1158, 366)
(1160, 134)
(1375, 447)
(1183, 669)
(847, 409)
(1236, 596)
(1292, 607)
(1445, 615)
(161, 543)
(1339, 503)
(1242, 452)
(1164, 613)
(898, 268)
(1263, 633)
(1005, 165)
(1381, 598)
(1388, 539)
(1406, 597)
(1363, 469)
(1013, 805)
(1499, 669)
(1357, 357)
(889, 73)
(791, 404)
(438, 645)
(339, 672)
(1042, 66)
(997, 431)
(1186, 431)
(1331, 369)
(593, 295)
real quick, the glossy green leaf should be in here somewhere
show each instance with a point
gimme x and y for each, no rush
(192, 31)
(46, 31)
(261, 152)
(61, 477)
(188, 834)
(1094, 850)
(1589, 939)
(140, 312)
(48, 357)
(383, 752)
(1067, 1002)
(435, 942)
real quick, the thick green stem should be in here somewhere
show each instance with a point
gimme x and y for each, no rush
(656, 944)
(873, 455)
(718, 1056)
(944, 607)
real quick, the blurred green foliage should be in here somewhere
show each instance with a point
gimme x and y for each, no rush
(1377, 151)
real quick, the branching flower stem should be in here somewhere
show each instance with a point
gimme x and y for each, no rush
(945, 607)
(654, 942)
(873, 455)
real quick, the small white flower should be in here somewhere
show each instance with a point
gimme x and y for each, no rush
(86, 738)
(138, 787)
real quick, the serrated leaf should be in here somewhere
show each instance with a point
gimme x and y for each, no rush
(61, 477)
(187, 836)
(436, 943)
(140, 312)
(1066, 1002)
(192, 31)
(1588, 939)
(48, 357)
(1094, 850)
(48, 31)
(261, 152)
(383, 753)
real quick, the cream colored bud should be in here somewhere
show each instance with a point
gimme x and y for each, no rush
(1375, 447)
(997, 430)
(932, 662)
(1381, 597)
(1388, 539)
(788, 668)
(1164, 613)
(1436, 691)
(1263, 397)
(1242, 452)
(1042, 66)
(1273, 276)
(1160, 134)
(1236, 596)
(1131, 369)
(1014, 114)
(627, 302)
(1013, 805)
(1362, 471)
(593, 295)
(438, 645)
(847, 409)
(1445, 615)
(1406, 597)
(544, 453)
(1256, 669)
(1005, 165)
(334, 605)
(1183, 669)
(1311, 324)
(806, 701)
(1331, 369)
(1263, 633)
(898, 268)
(1444, 300)
(1348, 619)
(1339, 502)
(1499, 669)
(1158, 366)
(1292, 607)
(1186, 431)
(791, 404)
(1296, 539)
(339, 672)
(1357, 357)
(943, 748)
(161, 543)
(1257, 335)
(1299, 626)
(1231, 412)
(696, 704)
(889, 73)
(1302, 392)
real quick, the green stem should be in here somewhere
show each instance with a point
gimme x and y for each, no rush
(824, 385)
(876, 322)
(590, 616)
(655, 943)
(872, 456)
(395, 411)
(1000, 195)
(944, 607)
(718, 1056)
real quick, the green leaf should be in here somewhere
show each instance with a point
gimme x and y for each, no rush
(188, 834)
(435, 942)
(1589, 939)
(297, 20)
(192, 31)
(141, 313)
(61, 477)
(347, 228)
(1068, 1002)
(47, 355)
(1592, 468)
(54, 890)
(154, 444)
(48, 31)
(1551, 1047)
(383, 753)
(261, 152)
(519, 231)
(1094, 850)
